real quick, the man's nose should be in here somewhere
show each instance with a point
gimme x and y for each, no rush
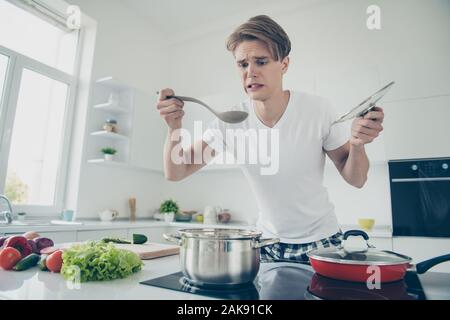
(251, 71)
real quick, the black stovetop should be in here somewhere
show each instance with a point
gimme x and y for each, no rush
(293, 281)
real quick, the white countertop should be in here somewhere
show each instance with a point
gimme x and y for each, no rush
(41, 285)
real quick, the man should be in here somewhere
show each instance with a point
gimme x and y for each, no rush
(293, 202)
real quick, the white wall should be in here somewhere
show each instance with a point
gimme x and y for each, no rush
(335, 55)
(132, 50)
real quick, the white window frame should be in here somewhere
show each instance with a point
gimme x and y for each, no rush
(17, 62)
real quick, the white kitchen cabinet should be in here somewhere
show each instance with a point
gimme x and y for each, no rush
(60, 236)
(57, 236)
(99, 234)
(421, 249)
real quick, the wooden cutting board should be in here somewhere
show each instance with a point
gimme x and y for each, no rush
(150, 250)
(145, 251)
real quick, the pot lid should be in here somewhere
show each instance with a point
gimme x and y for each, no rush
(368, 256)
(360, 256)
(219, 234)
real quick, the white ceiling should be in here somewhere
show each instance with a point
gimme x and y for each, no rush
(172, 17)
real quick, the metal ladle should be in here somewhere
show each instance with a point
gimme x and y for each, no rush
(233, 116)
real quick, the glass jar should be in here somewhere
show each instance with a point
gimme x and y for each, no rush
(110, 125)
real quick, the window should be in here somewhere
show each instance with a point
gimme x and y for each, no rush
(36, 38)
(36, 67)
(36, 140)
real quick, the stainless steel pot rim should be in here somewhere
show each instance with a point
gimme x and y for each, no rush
(219, 234)
(372, 257)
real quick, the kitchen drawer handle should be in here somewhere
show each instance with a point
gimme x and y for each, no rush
(172, 238)
(421, 179)
(263, 243)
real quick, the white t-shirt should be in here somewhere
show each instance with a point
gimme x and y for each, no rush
(292, 200)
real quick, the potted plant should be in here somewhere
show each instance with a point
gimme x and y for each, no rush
(109, 153)
(169, 208)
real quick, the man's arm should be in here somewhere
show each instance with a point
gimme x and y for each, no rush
(179, 163)
(351, 159)
(352, 163)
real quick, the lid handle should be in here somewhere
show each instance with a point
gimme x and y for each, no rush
(361, 233)
(356, 233)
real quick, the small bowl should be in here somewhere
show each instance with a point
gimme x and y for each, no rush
(183, 217)
(366, 223)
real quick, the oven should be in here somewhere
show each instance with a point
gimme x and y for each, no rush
(420, 197)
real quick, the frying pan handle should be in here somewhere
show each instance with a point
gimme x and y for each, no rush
(424, 266)
(356, 233)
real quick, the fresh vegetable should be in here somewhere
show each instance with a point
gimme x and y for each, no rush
(49, 250)
(2, 240)
(30, 235)
(33, 246)
(139, 239)
(42, 264)
(43, 243)
(115, 240)
(9, 257)
(20, 243)
(97, 261)
(28, 262)
(54, 261)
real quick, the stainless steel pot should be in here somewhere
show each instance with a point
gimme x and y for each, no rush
(225, 257)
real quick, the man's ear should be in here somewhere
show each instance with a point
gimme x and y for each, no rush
(285, 65)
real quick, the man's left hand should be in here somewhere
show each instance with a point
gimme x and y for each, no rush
(366, 129)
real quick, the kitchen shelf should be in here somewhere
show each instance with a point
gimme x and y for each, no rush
(108, 163)
(118, 164)
(112, 83)
(111, 107)
(109, 135)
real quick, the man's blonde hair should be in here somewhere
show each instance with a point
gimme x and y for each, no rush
(265, 29)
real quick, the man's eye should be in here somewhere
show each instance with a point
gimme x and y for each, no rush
(243, 65)
(261, 62)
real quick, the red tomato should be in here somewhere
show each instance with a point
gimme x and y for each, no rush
(9, 258)
(54, 261)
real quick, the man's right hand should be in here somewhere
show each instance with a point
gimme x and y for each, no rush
(171, 110)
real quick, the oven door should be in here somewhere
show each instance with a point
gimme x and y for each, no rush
(421, 198)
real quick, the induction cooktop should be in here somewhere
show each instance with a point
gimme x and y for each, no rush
(293, 281)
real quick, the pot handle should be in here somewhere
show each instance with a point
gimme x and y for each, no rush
(424, 266)
(259, 244)
(172, 238)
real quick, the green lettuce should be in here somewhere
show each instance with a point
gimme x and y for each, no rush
(98, 261)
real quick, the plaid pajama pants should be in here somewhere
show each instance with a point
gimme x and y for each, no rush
(293, 252)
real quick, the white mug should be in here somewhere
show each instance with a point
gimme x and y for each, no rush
(108, 215)
(210, 215)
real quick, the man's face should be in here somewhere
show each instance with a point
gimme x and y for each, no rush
(261, 75)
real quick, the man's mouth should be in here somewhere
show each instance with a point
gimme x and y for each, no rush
(254, 86)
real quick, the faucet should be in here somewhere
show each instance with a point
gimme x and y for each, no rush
(7, 214)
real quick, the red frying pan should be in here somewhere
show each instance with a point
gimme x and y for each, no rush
(361, 264)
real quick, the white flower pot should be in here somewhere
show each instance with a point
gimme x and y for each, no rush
(169, 216)
(109, 157)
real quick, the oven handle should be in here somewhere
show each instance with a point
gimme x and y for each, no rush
(420, 179)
